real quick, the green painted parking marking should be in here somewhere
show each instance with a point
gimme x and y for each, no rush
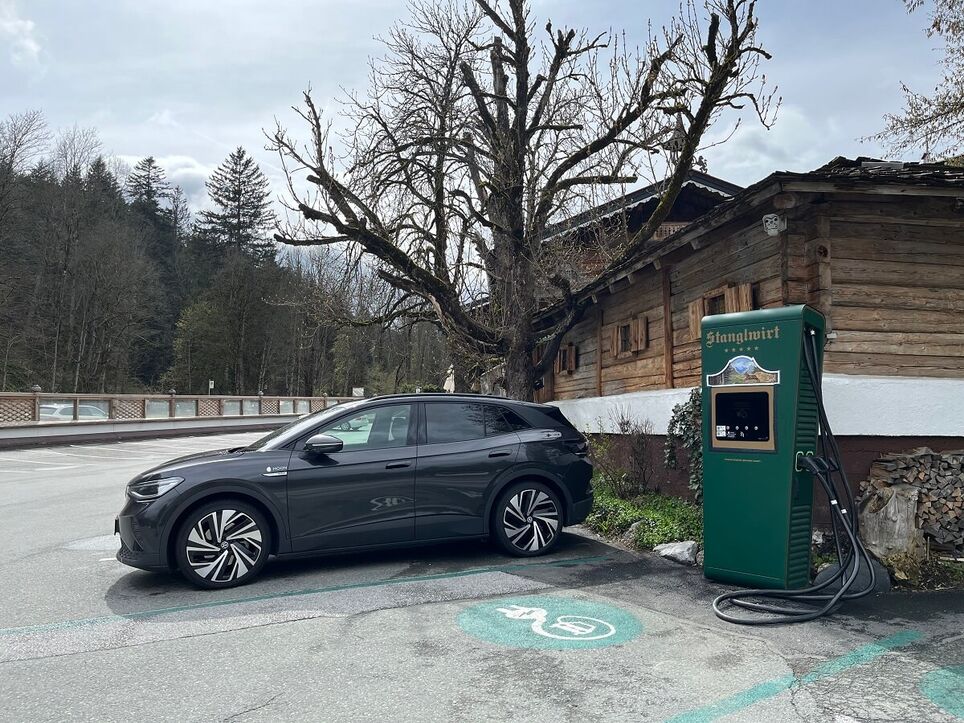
(549, 622)
(141, 614)
(771, 688)
(944, 688)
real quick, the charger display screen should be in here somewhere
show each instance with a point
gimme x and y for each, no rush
(742, 416)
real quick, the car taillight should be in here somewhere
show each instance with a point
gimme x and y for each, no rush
(579, 447)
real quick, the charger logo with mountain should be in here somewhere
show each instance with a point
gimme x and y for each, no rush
(742, 370)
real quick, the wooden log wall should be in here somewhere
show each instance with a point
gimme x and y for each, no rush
(737, 253)
(581, 382)
(886, 270)
(892, 272)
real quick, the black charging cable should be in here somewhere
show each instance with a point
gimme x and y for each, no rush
(815, 601)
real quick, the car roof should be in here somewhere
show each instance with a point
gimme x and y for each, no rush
(451, 397)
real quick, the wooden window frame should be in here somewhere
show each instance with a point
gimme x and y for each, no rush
(567, 359)
(736, 297)
(718, 294)
(621, 338)
(638, 339)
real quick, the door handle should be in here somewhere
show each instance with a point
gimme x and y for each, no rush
(500, 453)
(397, 465)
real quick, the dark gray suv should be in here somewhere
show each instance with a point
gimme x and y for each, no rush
(383, 472)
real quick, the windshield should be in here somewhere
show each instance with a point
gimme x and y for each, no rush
(303, 424)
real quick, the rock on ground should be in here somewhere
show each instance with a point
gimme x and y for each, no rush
(682, 552)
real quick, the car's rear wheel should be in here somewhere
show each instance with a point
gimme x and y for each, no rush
(222, 544)
(527, 519)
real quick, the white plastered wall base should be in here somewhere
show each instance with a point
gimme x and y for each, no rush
(856, 406)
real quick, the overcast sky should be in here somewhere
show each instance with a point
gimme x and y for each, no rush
(189, 80)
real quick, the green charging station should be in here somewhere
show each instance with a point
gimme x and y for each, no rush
(760, 416)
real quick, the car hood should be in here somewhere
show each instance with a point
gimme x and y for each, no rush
(198, 459)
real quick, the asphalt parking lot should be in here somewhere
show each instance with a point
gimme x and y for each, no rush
(435, 634)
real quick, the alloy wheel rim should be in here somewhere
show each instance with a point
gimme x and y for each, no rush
(223, 545)
(530, 520)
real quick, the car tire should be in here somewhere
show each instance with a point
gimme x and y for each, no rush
(222, 544)
(527, 519)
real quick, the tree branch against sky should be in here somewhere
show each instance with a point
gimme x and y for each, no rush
(933, 123)
(482, 127)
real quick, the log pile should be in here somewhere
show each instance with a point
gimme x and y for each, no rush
(940, 478)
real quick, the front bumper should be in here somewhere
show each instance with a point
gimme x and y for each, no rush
(139, 537)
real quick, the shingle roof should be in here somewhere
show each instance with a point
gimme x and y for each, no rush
(874, 170)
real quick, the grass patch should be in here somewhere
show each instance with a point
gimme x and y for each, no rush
(664, 519)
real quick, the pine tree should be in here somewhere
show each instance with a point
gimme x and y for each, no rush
(104, 195)
(242, 217)
(147, 184)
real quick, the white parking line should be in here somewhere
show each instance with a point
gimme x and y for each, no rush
(88, 456)
(21, 460)
(40, 470)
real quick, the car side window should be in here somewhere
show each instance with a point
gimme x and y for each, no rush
(378, 428)
(499, 420)
(453, 422)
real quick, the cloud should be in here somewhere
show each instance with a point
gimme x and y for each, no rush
(21, 34)
(164, 117)
(798, 141)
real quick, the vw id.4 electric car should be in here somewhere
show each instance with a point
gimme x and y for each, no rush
(372, 473)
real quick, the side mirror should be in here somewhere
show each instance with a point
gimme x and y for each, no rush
(323, 444)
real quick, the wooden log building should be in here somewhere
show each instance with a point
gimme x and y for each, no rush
(878, 247)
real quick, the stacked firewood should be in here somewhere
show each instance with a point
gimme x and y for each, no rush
(940, 478)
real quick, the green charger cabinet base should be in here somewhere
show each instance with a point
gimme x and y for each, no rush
(760, 416)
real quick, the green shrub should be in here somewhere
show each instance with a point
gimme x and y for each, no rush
(664, 519)
(426, 387)
(686, 432)
(624, 460)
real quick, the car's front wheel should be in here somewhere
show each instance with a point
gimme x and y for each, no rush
(527, 519)
(222, 544)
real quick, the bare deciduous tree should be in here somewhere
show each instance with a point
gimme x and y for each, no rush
(23, 137)
(933, 124)
(467, 148)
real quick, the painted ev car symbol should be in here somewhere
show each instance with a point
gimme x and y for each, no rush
(549, 622)
(565, 627)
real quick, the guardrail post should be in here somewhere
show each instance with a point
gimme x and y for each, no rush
(76, 408)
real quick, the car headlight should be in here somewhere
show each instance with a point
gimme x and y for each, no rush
(151, 489)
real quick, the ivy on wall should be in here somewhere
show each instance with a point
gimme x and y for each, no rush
(685, 432)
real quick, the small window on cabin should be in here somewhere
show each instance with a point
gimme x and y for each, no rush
(755, 300)
(567, 359)
(715, 305)
(625, 338)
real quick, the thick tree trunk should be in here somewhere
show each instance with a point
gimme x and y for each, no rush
(518, 303)
(519, 375)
